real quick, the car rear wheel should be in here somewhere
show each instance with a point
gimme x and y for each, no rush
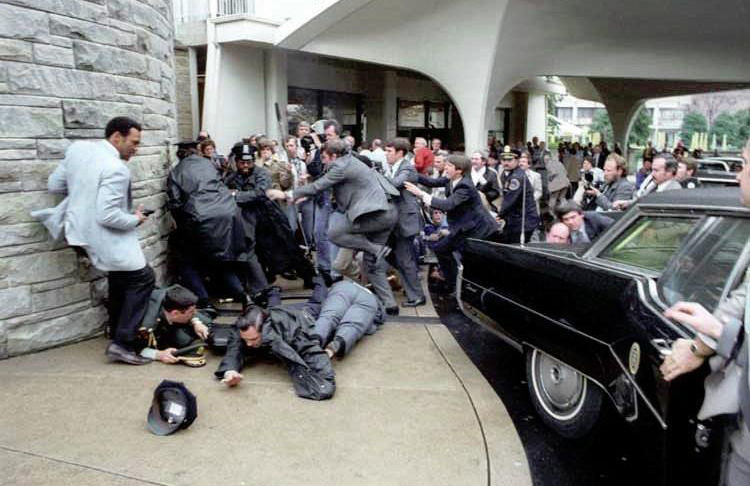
(565, 399)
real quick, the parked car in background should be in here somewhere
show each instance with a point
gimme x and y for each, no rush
(733, 164)
(589, 319)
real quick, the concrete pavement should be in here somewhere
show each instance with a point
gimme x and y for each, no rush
(410, 408)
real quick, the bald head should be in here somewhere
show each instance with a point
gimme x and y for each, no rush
(558, 233)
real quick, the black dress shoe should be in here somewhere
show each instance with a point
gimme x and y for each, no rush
(391, 311)
(415, 303)
(115, 352)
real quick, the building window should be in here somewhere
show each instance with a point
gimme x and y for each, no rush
(585, 116)
(564, 114)
(672, 115)
(411, 114)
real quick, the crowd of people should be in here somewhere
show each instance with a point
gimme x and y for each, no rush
(341, 217)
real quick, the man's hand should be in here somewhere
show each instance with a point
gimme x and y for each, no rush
(139, 213)
(166, 356)
(200, 329)
(696, 316)
(593, 192)
(316, 139)
(412, 188)
(621, 205)
(275, 194)
(680, 361)
(231, 378)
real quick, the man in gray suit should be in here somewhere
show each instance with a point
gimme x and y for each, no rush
(96, 216)
(409, 222)
(724, 338)
(364, 216)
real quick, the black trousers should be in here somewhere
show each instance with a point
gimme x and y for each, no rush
(129, 293)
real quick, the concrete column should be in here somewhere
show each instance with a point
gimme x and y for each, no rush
(213, 63)
(390, 108)
(276, 91)
(235, 101)
(622, 115)
(536, 117)
(193, 73)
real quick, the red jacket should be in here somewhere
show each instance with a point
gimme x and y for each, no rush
(423, 159)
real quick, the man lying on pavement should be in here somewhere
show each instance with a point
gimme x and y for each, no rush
(294, 335)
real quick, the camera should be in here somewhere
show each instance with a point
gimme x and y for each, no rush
(307, 143)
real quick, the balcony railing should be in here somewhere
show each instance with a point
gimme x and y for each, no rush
(235, 7)
(196, 10)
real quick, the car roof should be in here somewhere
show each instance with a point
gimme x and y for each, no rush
(700, 198)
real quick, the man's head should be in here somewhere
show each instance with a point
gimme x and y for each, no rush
(477, 160)
(436, 144)
(587, 164)
(437, 216)
(558, 233)
(179, 304)
(419, 143)
(377, 144)
(303, 129)
(615, 167)
(332, 129)
(207, 148)
(332, 150)
(396, 149)
(664, 168)
(250, 325)
(124, 134)
(510, 159)
(440, 159)
(685, 169)
(456, 166)
(571, 214)
(523, 160)
(535, 141)
(245, 164)
(290, 145)
(647, 165)
(202, 135)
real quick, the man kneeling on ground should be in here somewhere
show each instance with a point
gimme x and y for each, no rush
(294, 335)
(172, 331)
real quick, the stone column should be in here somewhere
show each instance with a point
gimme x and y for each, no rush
(66, 69)
(536, 117)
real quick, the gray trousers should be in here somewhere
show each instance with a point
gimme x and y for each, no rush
(403, 256)
(349, 313)
(369, 233)
(376, 273)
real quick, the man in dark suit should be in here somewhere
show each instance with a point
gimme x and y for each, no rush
(399, 171)
(364, 216)
(467, 218)
(584, 226)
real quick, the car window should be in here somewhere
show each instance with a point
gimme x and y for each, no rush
(649, 242)
(704, 268)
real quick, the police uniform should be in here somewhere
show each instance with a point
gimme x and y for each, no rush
(517, 188)
(157, 333)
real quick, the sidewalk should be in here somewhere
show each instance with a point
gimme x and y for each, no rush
(410, 408)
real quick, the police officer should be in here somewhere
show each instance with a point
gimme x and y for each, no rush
(171, 323)
(518, 208)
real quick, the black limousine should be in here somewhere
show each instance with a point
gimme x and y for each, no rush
(589, 318)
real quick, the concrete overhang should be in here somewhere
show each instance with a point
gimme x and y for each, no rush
(245, 28)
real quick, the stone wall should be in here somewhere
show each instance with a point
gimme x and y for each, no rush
(183, 94)
(66, 68)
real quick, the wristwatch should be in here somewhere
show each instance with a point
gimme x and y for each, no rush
(696, 352)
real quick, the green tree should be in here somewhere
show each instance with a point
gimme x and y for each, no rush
(692, 123)
(641, 129)
(601, 124)
(552, 110)
(743, 127)
(727, 124)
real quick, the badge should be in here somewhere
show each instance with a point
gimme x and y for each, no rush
(514, 184)
(634, 358)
